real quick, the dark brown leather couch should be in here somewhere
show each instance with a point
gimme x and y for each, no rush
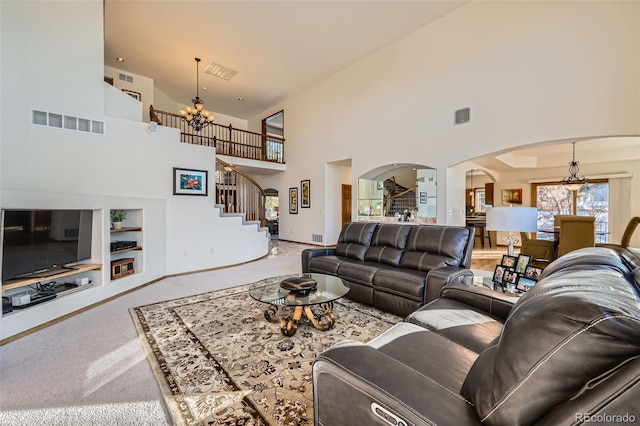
(566, 353)
(394, 267)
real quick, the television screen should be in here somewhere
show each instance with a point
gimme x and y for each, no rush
(38, 242)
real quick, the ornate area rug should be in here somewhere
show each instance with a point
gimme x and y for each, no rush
(219, 362)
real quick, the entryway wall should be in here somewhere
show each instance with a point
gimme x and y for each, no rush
(337, 173)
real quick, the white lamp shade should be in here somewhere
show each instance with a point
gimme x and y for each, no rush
(513, 219)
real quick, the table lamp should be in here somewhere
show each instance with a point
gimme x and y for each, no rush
(512, 220)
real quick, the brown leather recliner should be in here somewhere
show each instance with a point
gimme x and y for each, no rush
(566, 353)
(575, 232)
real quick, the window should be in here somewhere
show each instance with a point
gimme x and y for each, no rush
(591, 200)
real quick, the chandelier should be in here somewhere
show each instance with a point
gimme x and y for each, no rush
(197, 117)
(574, 182)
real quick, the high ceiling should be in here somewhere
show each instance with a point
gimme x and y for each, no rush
(278, 48)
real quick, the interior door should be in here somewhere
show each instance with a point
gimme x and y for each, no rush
(346, 203)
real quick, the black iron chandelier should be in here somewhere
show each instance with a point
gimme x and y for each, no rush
(197, 117)
(574, 182)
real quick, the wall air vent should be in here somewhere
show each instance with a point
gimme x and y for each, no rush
(220, 71)
(125, 77)
(67, 122)
(316, 238)
(463, 116)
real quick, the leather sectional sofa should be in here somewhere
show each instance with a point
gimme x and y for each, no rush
(394, 267)
(565, 353)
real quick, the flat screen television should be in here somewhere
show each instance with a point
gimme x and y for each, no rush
(40, 243)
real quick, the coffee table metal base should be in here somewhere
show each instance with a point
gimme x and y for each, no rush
(323, 321)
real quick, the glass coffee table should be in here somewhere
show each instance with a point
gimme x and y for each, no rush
(296, 303)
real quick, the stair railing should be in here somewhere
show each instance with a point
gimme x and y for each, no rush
(239, 193)
(225, 139)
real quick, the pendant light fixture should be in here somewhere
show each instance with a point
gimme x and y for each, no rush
(197, 117)
(574, 182)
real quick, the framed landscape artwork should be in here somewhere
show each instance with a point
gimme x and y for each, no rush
(190, 182)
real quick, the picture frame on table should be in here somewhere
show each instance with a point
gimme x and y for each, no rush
(522, 262)
(305, 189)
(190, 182)
(293, 200)
(510, 277)
(508, 261)
(523, 283)
(498, 274)
(135, 95)
(532, 272)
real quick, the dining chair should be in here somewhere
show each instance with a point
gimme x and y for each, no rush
(542, 252)
(575, 232)
(626, 236)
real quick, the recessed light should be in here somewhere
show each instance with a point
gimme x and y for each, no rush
(241, 99)
(119, 59)
(204, 88)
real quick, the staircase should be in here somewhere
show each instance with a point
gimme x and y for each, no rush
(236, 193)
(397, 198)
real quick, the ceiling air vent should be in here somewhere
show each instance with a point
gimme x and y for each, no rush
(125, 77)
(220, 71)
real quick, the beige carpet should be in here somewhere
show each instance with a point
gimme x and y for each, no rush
(218, 361)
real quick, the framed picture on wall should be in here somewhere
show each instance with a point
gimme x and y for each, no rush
(512, 196)
(293, 200)
(190, 182)
(305, 200)
(135, 95)
(423, 198)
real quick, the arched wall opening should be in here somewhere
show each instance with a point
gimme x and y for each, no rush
(398, 192)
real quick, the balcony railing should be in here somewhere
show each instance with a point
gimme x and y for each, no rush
(225, 139)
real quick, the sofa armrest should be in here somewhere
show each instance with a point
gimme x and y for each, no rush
(351, 379)
(490, 301)
(439, 277)
(310, 253)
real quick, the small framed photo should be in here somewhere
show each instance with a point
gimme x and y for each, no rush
(498, 274)
(305, 188)
(523, 283)
(508, 261)
(522, 263)
(510, 277)
(532, 273)
(190, 182)
(135, 95)
(293, 200)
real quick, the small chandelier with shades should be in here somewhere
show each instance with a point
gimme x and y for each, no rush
(574, 182)
(197, 117)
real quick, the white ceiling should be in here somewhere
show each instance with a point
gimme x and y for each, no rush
(560, 154)
(277, 47)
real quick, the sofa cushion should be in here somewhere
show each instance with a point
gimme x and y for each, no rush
(405, 282)
(470, 327)
(430, 247)
(388, 243)
(359, 272)
(578, 323)
(325, 264)
(354, 239)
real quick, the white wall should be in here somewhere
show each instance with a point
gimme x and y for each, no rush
(530, 71)
(129, 167)
(140, 84)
